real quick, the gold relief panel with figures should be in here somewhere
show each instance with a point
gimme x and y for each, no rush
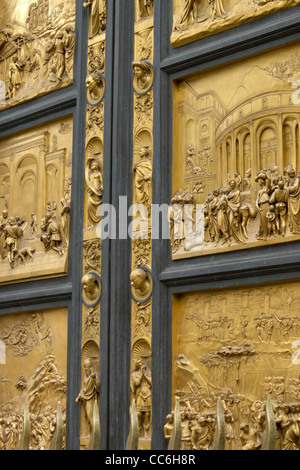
(236, 163)
(37, 44)
(240, 344)
(35, 201)
(33, 372)
(194, 19)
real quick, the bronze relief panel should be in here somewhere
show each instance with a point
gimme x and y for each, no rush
(33, 374)
(240, 345)
(194, 19)
(236, 181)
(35, 201)
(37, 43)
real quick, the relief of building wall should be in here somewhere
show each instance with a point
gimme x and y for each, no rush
(240, 344)
(35, 199)
(37, 43)
(237, 156)
(194, 19)
(33, 373)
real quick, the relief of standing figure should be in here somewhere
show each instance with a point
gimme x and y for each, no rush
(189, 9)
(12, 232)
(262, 204)
(216, 9)
(14, 76)
(90, 391)
(141, 387)
(142, 172)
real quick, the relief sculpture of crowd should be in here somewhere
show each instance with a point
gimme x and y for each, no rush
(239, 212)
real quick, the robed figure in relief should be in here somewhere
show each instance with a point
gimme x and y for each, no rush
(189, 7)
(90, 390)
(94, 25)
(141, 387)
(294, 201)
(142, 171)
(94, 183)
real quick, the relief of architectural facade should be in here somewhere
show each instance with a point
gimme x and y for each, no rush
(237, 161)
(142, 169)
(37, 43)
(33, 372)
(35, 201)
(194, 20)
(241, 345)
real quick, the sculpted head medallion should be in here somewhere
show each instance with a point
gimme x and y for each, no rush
(141, 284)
(95, 84)
(91, 289)
(143, 76)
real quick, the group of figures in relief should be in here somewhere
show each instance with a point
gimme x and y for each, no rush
(41, 68)
(53, 233)
(38, 14)
(189, 12)
(43, 418)
(240, 345)
(232, 212)
(33, 57)
(194, 12)
(43, 428)
(277, 327)
(41, 389)
(228, 209)
(244, 420)
(11, 229)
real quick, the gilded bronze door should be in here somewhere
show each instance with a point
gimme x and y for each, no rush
(150, 222)
(225, 284)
